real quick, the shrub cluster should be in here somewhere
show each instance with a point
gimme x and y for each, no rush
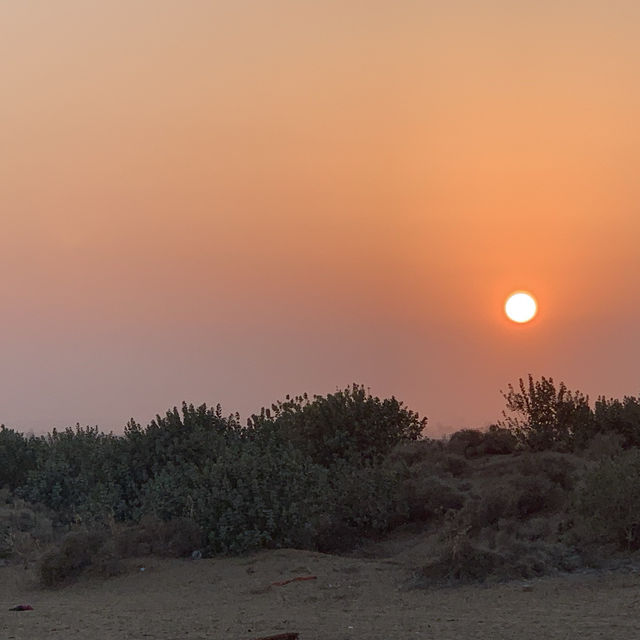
(347, 425)
(472, 443)
(609, 502)
(307, 473)
(543, 416)
(325, 472)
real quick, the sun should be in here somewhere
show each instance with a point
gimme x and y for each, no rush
(521, 307)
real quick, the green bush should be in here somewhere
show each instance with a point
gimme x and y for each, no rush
(499, 441)
(74, 474)
(534, 494)
(348, 424)
(453, 464)
(416, 451)
(609, 501)
(428, 497)
(321, 473)
(88, 476)
(257, 496)
(367, 498)
(264, 493)
(605, 444)
(262, 486)
(472, 443)
(520, 498)
(557, 468)
(193, 435)
(486, 510)
(18, 457)
(465, 442)
(180, 440)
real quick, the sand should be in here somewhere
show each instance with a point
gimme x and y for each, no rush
(351, 598)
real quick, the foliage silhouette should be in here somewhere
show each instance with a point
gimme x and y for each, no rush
(348, 424)
(619, 416)
(18, 456)
(542, 416)
(325, 473)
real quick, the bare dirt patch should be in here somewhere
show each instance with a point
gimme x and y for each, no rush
(350, 598)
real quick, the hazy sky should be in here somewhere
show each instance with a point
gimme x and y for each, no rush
(228, 201)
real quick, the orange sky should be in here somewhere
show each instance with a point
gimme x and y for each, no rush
(229, 201)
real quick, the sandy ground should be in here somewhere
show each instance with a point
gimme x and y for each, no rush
(355, 598)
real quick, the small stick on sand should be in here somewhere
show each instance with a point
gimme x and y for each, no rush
(298, 579)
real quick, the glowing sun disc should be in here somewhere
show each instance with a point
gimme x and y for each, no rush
(521, 307)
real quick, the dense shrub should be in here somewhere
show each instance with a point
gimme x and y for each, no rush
(427, 497)
(499, 441)
(193, 435)
(361, 501)
(293, 478)
(74, 474)
(18, 457)
(465, 441)
(253, 495)
(557, 468)
(472, 443)
(621, 417)
(514, 498)
(171, 446)
(86, 476)
(609, 501)
(266, 495)
(453, 464)
(417, 451)
(534, 494)
(430, 456)
(604, 445)
(326, 473)
(486, 510)
(349, 424)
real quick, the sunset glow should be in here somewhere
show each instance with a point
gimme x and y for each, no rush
(233, 201)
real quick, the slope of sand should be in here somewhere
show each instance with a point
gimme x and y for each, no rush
(233, 598)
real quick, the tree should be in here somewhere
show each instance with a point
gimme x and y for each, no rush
(543, 417)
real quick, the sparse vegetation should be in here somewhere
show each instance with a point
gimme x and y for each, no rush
(78, 551)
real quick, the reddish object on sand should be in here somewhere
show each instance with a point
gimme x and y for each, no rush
(298, 579)
(22, 607)
(281, 636)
